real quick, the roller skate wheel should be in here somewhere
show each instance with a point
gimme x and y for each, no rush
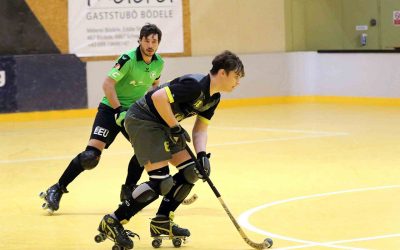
(268, 242)
(177, 242)
(99, 238)
(42, 195)
(50, 211)
(156, 243)
(115, 247)
(45, 205)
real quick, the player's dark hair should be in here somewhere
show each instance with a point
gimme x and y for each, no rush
(150, 29)
(229, 62)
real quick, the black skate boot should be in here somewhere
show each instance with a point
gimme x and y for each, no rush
(112, 229)
(52, 197)
(164, 228)
(126, 192)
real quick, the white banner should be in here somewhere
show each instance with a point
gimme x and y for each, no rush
(110, 27)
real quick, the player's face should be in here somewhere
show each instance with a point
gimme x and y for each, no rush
(149, 45)
(230, 80)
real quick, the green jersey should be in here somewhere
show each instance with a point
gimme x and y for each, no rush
(134, 76)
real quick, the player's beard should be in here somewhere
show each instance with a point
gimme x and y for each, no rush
(147, 53)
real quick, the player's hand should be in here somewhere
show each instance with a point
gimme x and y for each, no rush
(179, 136)
(119, 116)
(204, 160)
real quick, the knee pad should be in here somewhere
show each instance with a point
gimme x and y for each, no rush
(160, 183)
(144, 193)
(188, 172)
(89, 158)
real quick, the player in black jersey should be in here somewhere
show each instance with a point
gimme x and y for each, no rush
(153, 126)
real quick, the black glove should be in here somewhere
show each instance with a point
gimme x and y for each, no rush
(119, 116)
(179, 136)
(204, 161)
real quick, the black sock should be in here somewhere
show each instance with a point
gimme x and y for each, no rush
(73, 170)
(134, 172)
(169, 203)
(129, 208)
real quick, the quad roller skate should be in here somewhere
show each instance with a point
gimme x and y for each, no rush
(113, 230)
(52, 197)
(163, 228)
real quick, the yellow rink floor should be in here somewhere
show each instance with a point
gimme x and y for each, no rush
(309, 176)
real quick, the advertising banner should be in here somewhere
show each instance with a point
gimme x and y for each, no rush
(110, 27)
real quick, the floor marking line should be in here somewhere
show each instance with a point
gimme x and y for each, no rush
(279, 130)
(243, 218)
(63, 157)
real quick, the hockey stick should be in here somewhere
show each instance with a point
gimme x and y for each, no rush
(267, 243)
(190, 200)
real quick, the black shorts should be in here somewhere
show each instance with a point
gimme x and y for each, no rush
(105, 128)
(150, 140)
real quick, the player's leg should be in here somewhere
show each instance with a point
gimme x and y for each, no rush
(134, 173)
(88, 159)
(183, 182)
(112, 228)
(103, 133)
(160, 182)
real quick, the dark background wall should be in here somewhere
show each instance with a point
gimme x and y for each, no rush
(35, 76)
(42, 82)
(21, 32)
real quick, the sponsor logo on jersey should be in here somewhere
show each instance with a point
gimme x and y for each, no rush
(179, 116)
(101, 131)
(115, 74)
(153, 74)
(135, 84)
(117, 66)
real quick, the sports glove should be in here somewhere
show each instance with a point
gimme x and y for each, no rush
(119, 116)
(179, 136)
(204, 160)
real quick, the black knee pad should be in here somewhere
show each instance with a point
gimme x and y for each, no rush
(160, 183)
(188, 172)
(89, 158)
(144, 193)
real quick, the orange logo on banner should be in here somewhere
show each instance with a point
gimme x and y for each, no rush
(396, 17)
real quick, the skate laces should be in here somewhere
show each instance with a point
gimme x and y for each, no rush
(120, 230)
(129, 233)
(171, 220)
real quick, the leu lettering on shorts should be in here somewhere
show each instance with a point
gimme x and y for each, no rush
(101, 131)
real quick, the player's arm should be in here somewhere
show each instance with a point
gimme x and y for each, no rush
(156, 83)
(199, 134)
(162, 100)
(110, 93)
(162, 103)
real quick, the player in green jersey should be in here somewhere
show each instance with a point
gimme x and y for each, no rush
(134, 73)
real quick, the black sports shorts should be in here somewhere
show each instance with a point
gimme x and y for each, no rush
(105, 128)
